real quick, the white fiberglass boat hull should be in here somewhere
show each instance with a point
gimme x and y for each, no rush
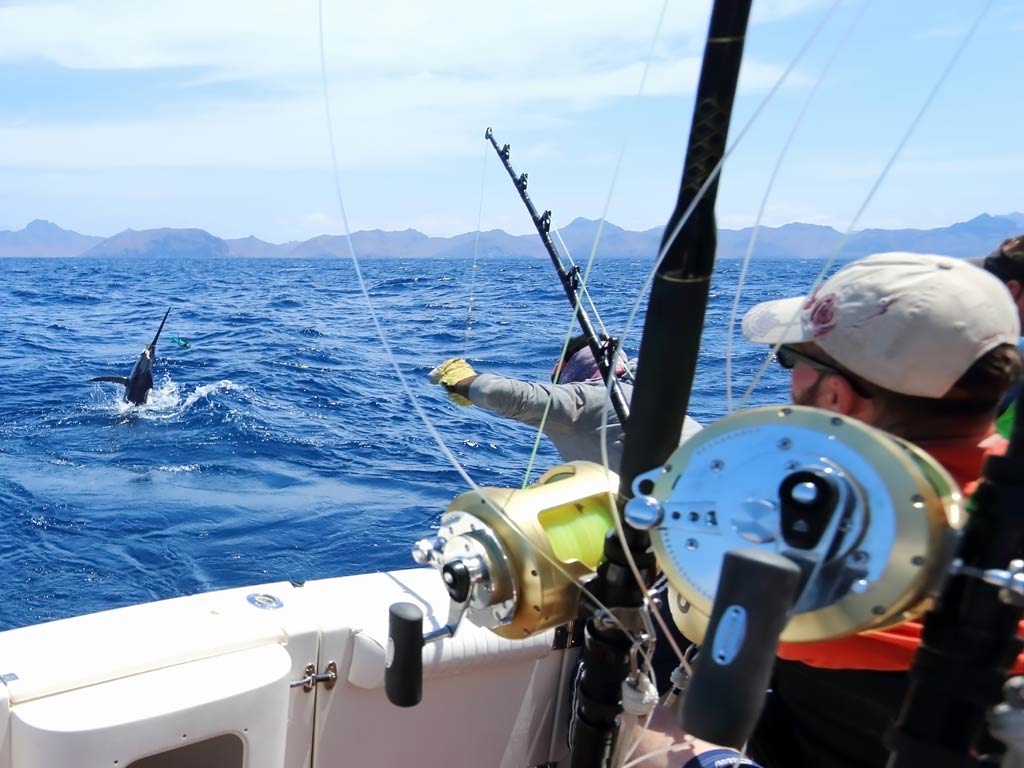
(209, 680)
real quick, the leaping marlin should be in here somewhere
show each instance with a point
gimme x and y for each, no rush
(140, 380)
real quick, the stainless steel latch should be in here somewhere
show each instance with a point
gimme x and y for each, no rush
(328, 678)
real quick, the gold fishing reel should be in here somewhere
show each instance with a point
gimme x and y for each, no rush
(870, 520)
(496, 548)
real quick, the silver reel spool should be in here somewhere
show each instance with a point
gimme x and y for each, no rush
(870, 519)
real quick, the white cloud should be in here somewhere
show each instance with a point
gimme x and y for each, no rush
(259, 38)
(252, 38)
(406, 78)
(230, 36)
(375, 120)
(409, 83)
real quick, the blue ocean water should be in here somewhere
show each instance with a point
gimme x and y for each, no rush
(280, 444)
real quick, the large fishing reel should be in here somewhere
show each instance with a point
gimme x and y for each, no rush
(867, 523)
(789, 524)
(497, 548)
(870, 520)
(510, 560)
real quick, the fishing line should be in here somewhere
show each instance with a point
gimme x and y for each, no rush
(964, 41)
(630, 125)
(476, 251)
(748, 255)
(585, 277)
(584, 290)
(355, 262)
(387, 347)
(616, 518)
(539, 434)
(647, 670)
(636, 741)
(702, 191)
(712, 176)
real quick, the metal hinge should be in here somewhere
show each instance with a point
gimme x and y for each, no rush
(308, 683)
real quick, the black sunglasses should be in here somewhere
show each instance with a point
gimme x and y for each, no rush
(789, 357)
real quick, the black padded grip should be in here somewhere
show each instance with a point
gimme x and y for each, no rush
(732, 670)
(403, 665)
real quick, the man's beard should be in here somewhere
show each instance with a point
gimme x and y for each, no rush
(810, 395)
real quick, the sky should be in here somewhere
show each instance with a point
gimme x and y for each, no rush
(189, 113)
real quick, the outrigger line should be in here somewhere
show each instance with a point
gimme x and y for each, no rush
(604, 353)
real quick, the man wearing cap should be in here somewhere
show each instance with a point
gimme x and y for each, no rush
(577, 395)
(1007, 263)
(923, 347)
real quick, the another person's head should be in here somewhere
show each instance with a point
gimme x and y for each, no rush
(921, 346)
(578, 364)
(1007, 263)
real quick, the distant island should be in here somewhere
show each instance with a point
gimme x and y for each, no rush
(43, 239)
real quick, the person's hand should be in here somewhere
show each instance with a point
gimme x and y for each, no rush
(449, 373)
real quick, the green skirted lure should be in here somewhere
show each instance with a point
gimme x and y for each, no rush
(183, 343)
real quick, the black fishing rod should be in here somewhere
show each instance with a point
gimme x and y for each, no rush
(604, 354)
(664, 379)
(969, 641)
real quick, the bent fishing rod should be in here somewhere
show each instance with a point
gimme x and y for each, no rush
(664, 380)
(604, 354)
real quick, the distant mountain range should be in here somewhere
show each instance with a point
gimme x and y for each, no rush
(791, 241)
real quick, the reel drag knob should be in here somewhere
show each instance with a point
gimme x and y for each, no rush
(644, 512)
(808, 501)
(458, 580)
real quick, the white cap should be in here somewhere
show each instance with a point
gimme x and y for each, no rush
(908, 322)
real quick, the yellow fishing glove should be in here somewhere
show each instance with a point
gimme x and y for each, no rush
(449, 373)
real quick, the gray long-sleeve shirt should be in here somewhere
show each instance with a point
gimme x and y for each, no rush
(574, 419)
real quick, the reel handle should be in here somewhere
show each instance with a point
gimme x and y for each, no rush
(403, 664)
(756, 590)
